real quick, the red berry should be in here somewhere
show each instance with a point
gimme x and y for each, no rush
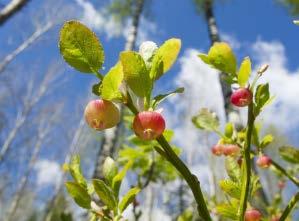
(231, 150)
(241, 97)
(148, 125)
(264, 161)
(101, 114)
(253, 215)
(217, 149)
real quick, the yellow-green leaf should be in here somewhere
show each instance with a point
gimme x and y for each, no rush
(266, 140)
(111, 84)
(165, 57)
(105, 194)
(136, 74)
(128, 198)
(80, 47)
(116, 182)
(244, 72)
(221, 57)
(79, 194)
(231, 188)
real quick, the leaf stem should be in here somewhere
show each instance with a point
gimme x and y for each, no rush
(289, 207)
(98, 75)
(246, 167)
(283, 171)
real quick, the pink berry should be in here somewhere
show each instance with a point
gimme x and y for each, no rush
(217, 149)
(231, 150)
(101, 114)
(241, 97)
(264, 161)
(253, 215)
(148, 125)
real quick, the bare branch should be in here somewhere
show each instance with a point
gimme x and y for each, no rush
(29, 41)
(10, 9)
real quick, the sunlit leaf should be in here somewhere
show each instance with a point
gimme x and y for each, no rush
(244, 72)
(206, 120)
(159, 98)
(105, 194)
(290, 154)
(80, 47)
(128, 198)
(79, 194)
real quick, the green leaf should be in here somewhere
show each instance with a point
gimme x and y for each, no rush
(80, 47)
(116, 182)
(161, 97)
(206, 120)
(165, 57)
(105, 194)
(75, 170)
(187, 215)
(111, 84)
(266, 140)
(289, 154)
(128, 198)
(244, 72)
(232, 169)
(79, 194)
(221, 57)
(227, 211)
(229, 130)
(262, 96)
(109, 169)
(135, 73)
(231, 188)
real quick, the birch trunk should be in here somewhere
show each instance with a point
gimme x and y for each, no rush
(10, 9)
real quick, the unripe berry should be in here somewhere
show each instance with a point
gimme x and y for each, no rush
(148, 125)
(264, 161)
(241, 97)
(101, 114)
(217, 149)
(253, 215)
(231, 150)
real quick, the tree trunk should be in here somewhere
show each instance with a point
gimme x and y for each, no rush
(215, 37)
(10, 9)
(110, 139)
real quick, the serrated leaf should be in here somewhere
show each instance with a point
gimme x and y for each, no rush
(75, 170)
(231, 188)
(128, 198)
(116, 182)
(136, 74)
(79, 194)
(80, 47)
(266, 140)
(244, 72)
(221, 57)
(165, 57)
(161, 97)
(229, 130)
(110, 89)
(289, 154)
(109, 169)
(105, 194)
(227, 211)
(206, 120)
(233, 169)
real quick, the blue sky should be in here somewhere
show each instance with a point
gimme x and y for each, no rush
(261, 29)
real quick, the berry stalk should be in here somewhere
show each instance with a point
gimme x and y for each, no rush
(289, 207)
(247, 165)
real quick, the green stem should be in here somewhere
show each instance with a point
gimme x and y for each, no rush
(190, 178)
(98, 75)
(246, 166)
(289, 207)
(283, 171)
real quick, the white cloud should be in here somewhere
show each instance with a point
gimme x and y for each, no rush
(283, 112)
(48, 172)
(101, 21)
(232, 40)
